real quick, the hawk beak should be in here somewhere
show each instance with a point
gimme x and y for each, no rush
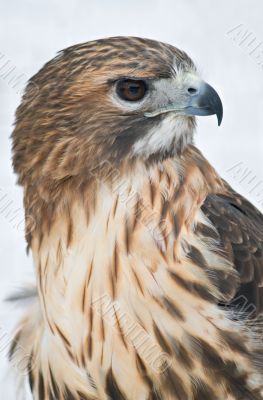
(192, 97)
(204, 100)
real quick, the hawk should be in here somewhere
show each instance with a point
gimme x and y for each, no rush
(148, 265)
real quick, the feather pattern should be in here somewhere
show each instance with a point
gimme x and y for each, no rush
(130, 312)
(142, 252)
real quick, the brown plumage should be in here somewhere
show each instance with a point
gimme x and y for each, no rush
(149, 266)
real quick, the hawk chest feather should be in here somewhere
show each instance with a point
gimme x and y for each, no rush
(128, 295)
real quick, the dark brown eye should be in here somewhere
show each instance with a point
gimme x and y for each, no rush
(131, 89)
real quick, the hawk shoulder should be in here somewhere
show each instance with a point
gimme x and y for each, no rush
(240, 228)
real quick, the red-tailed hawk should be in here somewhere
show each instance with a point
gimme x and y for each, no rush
(149, 266)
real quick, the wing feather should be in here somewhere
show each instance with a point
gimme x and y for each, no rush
(240, 228)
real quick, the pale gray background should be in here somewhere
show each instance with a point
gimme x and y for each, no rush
(31, 32)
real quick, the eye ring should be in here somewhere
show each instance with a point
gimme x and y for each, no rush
(131, 89)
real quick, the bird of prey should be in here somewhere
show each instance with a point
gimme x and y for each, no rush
(148, 265)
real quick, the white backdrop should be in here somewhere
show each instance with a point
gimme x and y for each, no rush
(224, 39)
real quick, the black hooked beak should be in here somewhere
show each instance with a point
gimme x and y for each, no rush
(204, 100)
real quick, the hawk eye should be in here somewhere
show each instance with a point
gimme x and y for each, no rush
(131, 89)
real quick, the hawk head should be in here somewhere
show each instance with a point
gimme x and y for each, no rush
(110, 100)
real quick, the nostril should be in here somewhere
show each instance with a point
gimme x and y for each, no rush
(192, 90)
